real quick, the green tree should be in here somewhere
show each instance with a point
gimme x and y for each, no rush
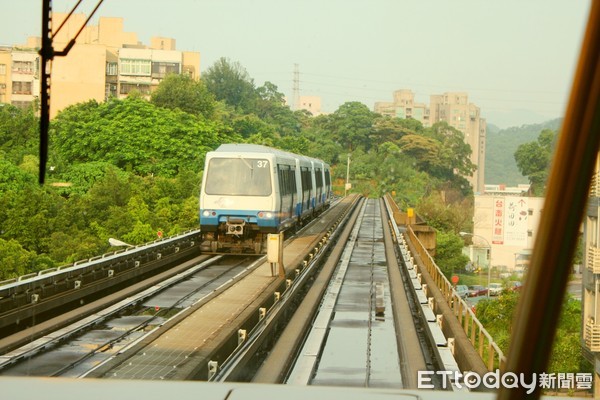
(388, 129)
(180, 91)
(497, 316)
(79, 178)
(448, 252)
(351, 125)
(455, 154)
(229, 82)
(424, 150)
(534, 158)
(133, 135)
(68, 246)
(396, 173)
(249, 124)
(447, 216)
(18, 132)
(14, 259)
(270, 107)
(26, 216)
(13, 178)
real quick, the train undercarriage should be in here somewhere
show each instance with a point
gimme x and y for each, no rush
(234, 238)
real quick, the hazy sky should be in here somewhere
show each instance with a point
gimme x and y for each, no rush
(515, 58)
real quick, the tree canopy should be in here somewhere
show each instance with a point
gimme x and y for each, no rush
(132, 134)
(229, 81)
(534, 158)
(180, 91)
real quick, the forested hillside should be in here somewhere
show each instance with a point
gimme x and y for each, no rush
(501, 145)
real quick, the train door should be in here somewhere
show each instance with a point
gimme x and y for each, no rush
(319, 187)
(306, 189)
(287, 189)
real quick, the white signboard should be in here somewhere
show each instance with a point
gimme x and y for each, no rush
(515, 221)
(509, 226)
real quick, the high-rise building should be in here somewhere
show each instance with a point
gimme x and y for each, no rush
(404, 106)
(453, 108)
(106, 61)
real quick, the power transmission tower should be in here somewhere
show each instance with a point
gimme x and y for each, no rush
(296, 88)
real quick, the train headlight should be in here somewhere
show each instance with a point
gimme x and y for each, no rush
(265, 214)
(208, 213)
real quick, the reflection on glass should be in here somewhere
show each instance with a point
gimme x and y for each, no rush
(238, 177)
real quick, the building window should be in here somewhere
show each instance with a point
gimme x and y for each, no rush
(111, 68)
(127, 88)
(130, 66)
(23, 105)
(19, 87)
(2, 69)
(110, 90)
(23, 67)
(160, 69)
(189, 70)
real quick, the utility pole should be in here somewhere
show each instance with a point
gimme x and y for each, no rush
(347, 186)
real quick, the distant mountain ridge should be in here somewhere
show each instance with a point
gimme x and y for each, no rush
(501, 144)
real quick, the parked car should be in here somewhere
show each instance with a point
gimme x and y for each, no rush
(515, 285)
(477, 290)
(462, 291)
(495, 289)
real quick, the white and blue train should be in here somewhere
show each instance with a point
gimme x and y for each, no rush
(249, 191)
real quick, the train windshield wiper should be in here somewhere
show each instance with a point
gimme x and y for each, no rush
(247, 163)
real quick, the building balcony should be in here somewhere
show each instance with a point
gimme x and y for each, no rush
(593, 260)
(592, 335)
(595, 185)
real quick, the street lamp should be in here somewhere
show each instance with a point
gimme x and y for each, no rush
(463, 234)
(117, 243)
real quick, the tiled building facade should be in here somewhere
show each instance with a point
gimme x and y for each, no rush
(105, 62)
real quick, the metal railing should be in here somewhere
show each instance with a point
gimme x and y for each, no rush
(481, 340)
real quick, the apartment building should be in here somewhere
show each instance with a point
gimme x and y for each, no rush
(19, 75)
(404, 106)
(105, 62)
(453, 108)
(311, 104)
(591, 281)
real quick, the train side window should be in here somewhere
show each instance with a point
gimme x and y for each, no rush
(319, 178)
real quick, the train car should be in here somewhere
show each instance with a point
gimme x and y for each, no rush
(249, 191)
(322, 182)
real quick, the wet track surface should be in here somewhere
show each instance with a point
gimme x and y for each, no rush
(104, 340)
(360, 344)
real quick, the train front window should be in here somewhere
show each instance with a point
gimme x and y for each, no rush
(238, 177)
